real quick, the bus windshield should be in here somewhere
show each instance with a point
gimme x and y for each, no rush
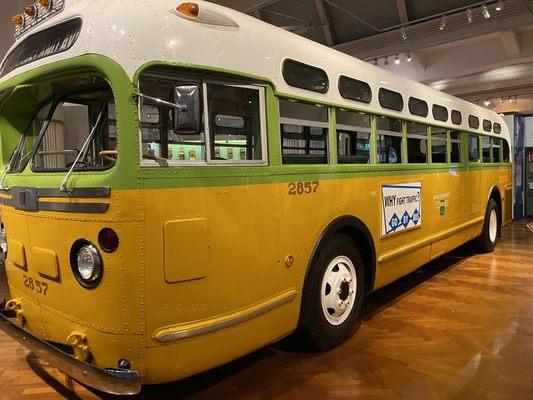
(58, 132)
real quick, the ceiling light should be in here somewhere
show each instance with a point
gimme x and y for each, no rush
(409, 57)
(486, 103)
(386, 61)
(442, 23)
(404, 33)
(512, 99)
(500, 5)
(375, 61)
(469, 15)
(485, 11)
(397, 59)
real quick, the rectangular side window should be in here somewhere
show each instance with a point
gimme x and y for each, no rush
(304, 133)
(390, 139)
(439, 145)
(496, 150)
(455, 155)
(417, 143)
(353, 137)
(160, 144)
(234, 123)
(473, 148)
(485, 146)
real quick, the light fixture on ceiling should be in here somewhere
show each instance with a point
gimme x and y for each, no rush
(386, 62)
(404, 33)
(512, 99)
(469, 15)
(443, 21)
(409, 57)
(485, 11)
(397, 59)
(375, 61)
(500, 5)
(487, 102)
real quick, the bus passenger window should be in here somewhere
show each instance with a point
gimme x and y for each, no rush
(417, 143)
(390, 137)
(455, 156)
(496, 150)
(304, 133)
(473, 148)
(353, 137)
(439, 145)
(160, 144)
(234, 123)
(485, 146)
(506, 152)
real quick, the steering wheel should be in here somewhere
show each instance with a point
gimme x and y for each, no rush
(109, 155)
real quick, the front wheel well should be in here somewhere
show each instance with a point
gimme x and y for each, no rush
(359, 232)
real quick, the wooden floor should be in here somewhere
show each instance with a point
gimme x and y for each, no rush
(459, 328)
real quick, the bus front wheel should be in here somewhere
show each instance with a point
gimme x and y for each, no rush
(491, 226)
(333, 293)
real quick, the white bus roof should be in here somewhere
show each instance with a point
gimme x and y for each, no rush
(135, 33)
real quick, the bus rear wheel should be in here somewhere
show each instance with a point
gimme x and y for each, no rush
(491, 227)
(333, 293)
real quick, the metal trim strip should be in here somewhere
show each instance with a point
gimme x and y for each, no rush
(89, 208)
(391, 255)
(173, 334)
(80, 193)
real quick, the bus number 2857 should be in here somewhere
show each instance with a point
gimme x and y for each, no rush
(35, 285)
(299, 188)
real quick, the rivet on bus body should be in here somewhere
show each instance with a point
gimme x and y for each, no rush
(289, 261)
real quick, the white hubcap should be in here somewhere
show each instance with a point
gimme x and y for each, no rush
(339, 289)
(493, 226)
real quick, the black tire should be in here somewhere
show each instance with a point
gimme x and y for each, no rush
(484, 243)
(314, 327)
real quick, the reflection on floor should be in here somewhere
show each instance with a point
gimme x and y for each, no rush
(459, 328)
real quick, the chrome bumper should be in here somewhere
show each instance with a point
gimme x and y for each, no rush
(109, 380)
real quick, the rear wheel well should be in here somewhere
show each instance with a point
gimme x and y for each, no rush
(496, 196)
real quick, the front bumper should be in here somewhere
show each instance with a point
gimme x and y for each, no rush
(109, 380)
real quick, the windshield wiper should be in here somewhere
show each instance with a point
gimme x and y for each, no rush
(64, 184)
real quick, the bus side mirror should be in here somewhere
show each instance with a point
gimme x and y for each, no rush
(186, 116)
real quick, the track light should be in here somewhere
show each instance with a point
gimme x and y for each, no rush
(397, 59)
(469, 15)
(404, 33)
(409, 57)
(500, 5)
(485, 11)
(442, 23)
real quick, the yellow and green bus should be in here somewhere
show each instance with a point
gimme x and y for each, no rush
(184, 184)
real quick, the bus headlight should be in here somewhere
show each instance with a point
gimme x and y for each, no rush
(86, 264)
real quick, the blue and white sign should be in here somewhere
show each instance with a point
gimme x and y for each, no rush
(402, 207)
